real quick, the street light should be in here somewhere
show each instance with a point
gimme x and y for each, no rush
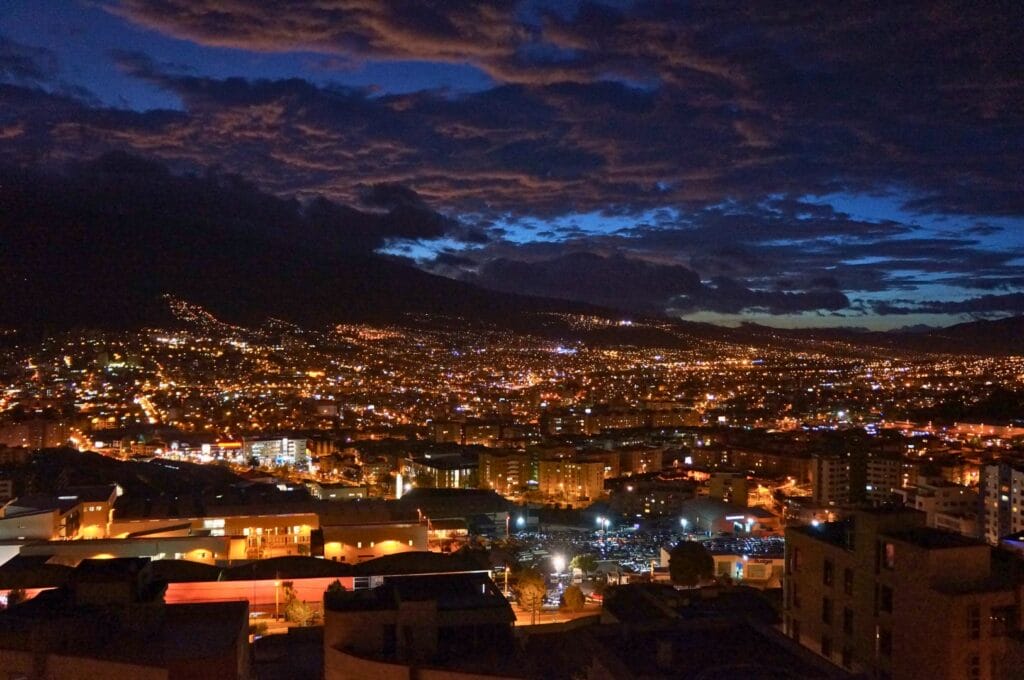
(684, 522)
(559, 564)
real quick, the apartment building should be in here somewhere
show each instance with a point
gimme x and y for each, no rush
(882, 594)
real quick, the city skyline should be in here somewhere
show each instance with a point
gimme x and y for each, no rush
(787, 165)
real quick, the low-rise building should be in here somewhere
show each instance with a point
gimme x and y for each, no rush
(354, 543)
(77, 512)
(336, 492)
(945, 505)
(110, 621)
(445, 626)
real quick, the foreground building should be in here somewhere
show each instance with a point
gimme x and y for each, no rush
(882, 594)
(443, 626)
(110, 621)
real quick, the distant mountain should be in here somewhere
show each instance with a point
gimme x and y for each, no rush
(100, 246)
(998, 337)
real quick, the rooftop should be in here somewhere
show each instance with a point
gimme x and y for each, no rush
(934, 539)
(451, 592)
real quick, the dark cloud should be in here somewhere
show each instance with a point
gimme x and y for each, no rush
(637, 285)
(613, 281)
(703, 127)
(778, 94)
(983, 305)
(133, 187)
(22, 64)
(730, 297)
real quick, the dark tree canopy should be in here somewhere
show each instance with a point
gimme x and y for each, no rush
(689, 563)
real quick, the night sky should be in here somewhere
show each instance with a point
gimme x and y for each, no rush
(790, 163)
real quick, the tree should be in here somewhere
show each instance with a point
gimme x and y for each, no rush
(689, 563)
(336, 587)
(296, 610)
(532, 589)
(585, 563)
(573, 599)
(15, 596)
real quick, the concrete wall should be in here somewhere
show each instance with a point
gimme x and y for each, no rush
(339, 665)
(259, 593)
(40, 526)
(81, 668)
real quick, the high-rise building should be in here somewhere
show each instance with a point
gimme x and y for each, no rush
(38, 433)
(571, 481)
(1001, 494)
(830, 480)
(882, 594)
(506, 471)
(730, 487)
(640, 460)
(855, 477)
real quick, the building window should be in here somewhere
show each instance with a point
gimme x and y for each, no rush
(974, 667)
(973, 622)
(889, 555)
(886, 600)
(847, 620)
(848, 581)
(884, 642)
(796, 630)
(847, 657)
(827, 573)
(795, 596)
(826, 647)
(826, 610)
(1003, 620)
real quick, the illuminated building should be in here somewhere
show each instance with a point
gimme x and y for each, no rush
(255, 536)
(278, 451)
(506, 472)
(830, 480)
(650, 496)
(882, 594)
(855, 477)
(354, 543)
(730, 487)
(79, 512)
(448, 470)
(610, 459)
(946, 505)
(1002, 501)
(707, 515)
(571, 481)
(37, 433)
(639, 461)
(336, 492)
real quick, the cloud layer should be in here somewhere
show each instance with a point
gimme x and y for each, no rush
(711, 134)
